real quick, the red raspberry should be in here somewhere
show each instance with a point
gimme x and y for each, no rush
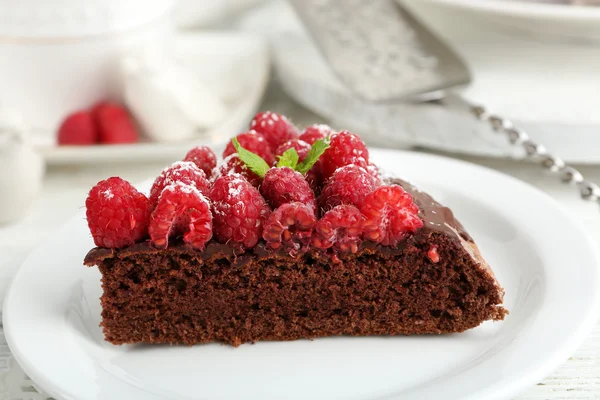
(433, 254)
(302, 148)
(239, 211)
(390, 215)
(253, 142)
(181, 171)
(284, 185)
(181, 210)
(78, 128)
(203, 157)
(233, 165)
(274, 127)
(374, 171)
(340, 228)
(315, 132)
(345, 148)
(117, 214)
(290, 225)
(349, 184)
(114, 123)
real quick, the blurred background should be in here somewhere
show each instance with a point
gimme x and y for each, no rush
(123, 87)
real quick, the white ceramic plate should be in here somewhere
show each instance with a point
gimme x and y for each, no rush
(555, 18)
(544, 259)
(215, 57)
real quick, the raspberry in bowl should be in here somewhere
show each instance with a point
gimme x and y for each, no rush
(257, 249)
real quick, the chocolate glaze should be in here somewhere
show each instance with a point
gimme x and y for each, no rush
(435, 217)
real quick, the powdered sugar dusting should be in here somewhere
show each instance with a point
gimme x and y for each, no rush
(374, 171)
(204, 199)
(217, 172)
(108, 194)
(171, 174)
(322, 128)
(354, 165)
(235, 191)
(187, 189)
(225, 167)
(350, 166)
(181, 165)
(182, 187)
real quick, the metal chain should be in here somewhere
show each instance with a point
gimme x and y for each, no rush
(538, 153)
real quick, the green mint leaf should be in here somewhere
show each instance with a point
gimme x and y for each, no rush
(316, 151)
(288, 159)
(252, 161)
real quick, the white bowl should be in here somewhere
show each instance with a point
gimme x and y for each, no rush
(61, 55)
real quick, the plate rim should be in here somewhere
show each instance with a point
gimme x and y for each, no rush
(558, 355)
(527, 9)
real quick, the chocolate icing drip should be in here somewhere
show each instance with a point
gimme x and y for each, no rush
(434, 215)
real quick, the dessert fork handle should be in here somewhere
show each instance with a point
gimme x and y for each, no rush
(533, 151)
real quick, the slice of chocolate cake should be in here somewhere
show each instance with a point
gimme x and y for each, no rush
(227, 262)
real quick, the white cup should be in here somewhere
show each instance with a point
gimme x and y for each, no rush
(62, 55)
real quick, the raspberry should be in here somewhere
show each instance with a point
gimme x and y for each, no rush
(78, 128)
(302, 148)
(239, 211)
(181, 210)
(284, 185)
(349, 184)
(274, 127)
(390, 215)
(181, 171)
(433, 254)
(114, 123)
(233, 165)
(290, 225)
(340, 228)
(374, 171)
(315, 132)
(253, 142)
(203, 157)
(345, 148)
(117, 214)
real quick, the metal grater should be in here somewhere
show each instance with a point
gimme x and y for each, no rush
(379, 50)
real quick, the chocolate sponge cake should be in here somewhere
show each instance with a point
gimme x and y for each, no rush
(317, 267)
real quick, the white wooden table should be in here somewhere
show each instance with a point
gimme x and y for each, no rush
(65, 189)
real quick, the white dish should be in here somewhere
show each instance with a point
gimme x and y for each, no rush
(216, 57)
(560, 21)
(545, 260)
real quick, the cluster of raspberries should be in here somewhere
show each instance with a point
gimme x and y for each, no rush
(337, 201)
